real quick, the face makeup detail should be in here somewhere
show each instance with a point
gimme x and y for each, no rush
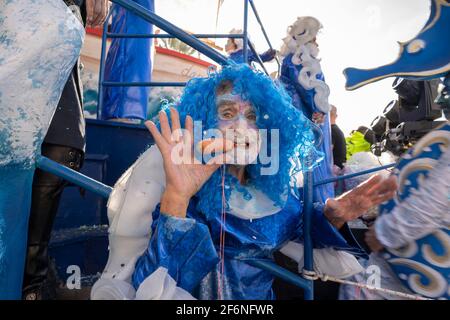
(237, 121)
(231, 109)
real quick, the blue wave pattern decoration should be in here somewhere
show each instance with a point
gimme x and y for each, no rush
(40, 41)
(426, 56)
(422, 266)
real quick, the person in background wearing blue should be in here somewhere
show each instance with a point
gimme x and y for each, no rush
(235, 49)
(302, 77)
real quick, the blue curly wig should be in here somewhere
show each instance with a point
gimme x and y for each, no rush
(274, 110)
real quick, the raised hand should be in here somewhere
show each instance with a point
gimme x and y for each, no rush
(96, 11)
(184, 177)
(357, 201)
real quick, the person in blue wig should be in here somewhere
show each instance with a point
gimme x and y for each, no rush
(183, 225)
(235, 49)
(302, 76)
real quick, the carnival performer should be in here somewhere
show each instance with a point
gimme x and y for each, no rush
(211, 216)
(410, 240)
(302, 76)
(39, 46)
(235, 49)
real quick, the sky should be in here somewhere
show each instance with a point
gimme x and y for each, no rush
(356, 33)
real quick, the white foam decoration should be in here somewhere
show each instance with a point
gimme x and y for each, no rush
(305, 53)
(161, 286)
(130, 208)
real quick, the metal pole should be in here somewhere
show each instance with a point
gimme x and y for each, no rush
(307, 217)
(252, 4)
(356, 174)
(143, 84)
(245, 34)
(258, 58)
(101, 73)
(73, 176)
(281, 273)
(169, 36)
(260, 23)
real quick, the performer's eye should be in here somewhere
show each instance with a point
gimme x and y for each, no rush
(227, 115)
(251, 116)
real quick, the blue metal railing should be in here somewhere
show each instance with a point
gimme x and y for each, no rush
(307, 221)
(73, 176)
(174, 32)
(352, 175)
(264, 32)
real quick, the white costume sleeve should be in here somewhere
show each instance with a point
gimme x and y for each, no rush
(161, 286)
(130, 206)
(425, 210)
(158, 286)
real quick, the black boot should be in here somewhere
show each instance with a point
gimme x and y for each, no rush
(39, 279)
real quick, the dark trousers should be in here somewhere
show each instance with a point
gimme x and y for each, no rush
(47, 190)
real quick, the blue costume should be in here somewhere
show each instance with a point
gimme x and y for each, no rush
(420, 246)
(238, 56)
(414, 227)
(188, 247)
(303, 100)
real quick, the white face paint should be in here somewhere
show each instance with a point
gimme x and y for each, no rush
(237, 122)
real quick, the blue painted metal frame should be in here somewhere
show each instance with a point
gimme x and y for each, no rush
(245, 33)
(307, 217)
(174, 32)
(263, 31)
(143, 84)
(168, 36)
(73, 176)
(356, 174)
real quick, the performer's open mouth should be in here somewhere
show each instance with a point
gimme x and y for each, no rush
(242, 145)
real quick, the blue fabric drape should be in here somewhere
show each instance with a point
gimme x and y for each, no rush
(128, 60)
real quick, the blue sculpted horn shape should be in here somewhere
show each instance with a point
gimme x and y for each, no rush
(424, 57)
(418, 167)
(439, 136)
(408, 251)
(421, 278)
(440, 259)
(423, 265)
